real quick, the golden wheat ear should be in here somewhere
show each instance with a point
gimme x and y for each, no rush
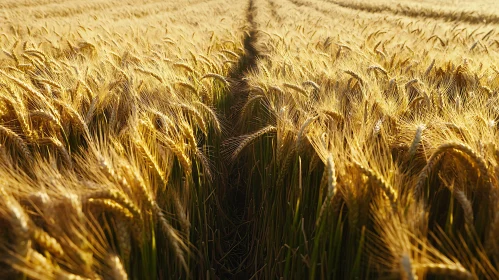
(19, 222)
(453, 148)
(117, 270)
(17, 143)
(450, 270)
(331, 187)
(376, 178)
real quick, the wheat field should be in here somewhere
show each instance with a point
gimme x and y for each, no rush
(256, 139)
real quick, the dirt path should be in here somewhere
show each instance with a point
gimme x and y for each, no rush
(235, 230)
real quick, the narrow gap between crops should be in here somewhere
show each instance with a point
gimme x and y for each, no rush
(235, 229)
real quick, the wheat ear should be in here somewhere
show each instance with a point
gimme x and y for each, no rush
(76, 118)
(19, 221)
(235, 55)
(171, 235)
(356, 76)
(28, 88)
(295, 87)
(467, 207)
(41, 114)
(212, 114)
(184, 66)
(188, 86)
(117, 270)
(411, 83)
(115, 196)
(250, 138)
(217, 77)
(17, 141)
(47, 242)
(148, 72)
(436, 156)
(199, 118)
(66, 157)
(428, 70)
(312, 84)
(331, 187)
(248, 105)
(377, 68)
(452, 270)
(407, 267)
(416, 141)
(108, 205)
(144, 149)
(302, 130)
(389, 191)
(182, 157)
(112, 175)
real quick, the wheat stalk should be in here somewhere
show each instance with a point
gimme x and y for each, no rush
(492, 241)
(172, 236)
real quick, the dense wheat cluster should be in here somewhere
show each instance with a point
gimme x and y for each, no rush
(263, 139)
